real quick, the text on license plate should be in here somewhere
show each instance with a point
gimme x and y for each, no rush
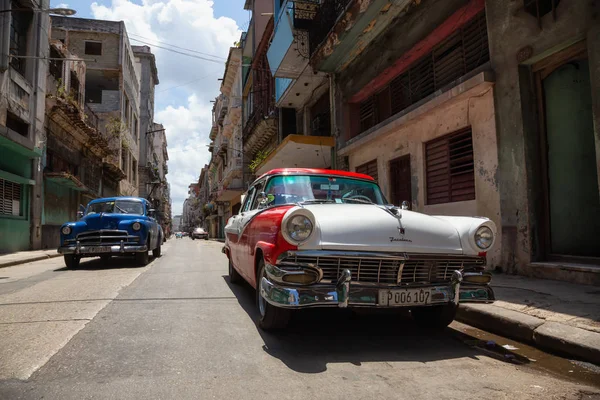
(400, 297)
(99, 249)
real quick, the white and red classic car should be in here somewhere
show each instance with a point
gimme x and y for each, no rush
(326, 238)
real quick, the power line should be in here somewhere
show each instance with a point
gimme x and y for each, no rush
(180, 52)
(183, 84)
(177, 47)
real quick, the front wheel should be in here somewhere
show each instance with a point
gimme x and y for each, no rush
(270, 317)
(156, 252)
(142, 258)
(434, 317)
(193, 238)
(72, 261)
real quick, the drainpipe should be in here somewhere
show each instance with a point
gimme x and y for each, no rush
(4, 34)
(333, 122)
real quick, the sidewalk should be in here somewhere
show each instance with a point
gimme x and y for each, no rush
(22, 257)
(557, 316)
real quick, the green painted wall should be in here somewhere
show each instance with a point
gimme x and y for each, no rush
(14, 231)
(57, 203)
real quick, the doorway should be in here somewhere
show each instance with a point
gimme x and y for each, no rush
(571, 195)
(400, 181)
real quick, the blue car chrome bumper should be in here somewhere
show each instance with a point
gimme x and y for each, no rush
(343, 293)
(95, 250)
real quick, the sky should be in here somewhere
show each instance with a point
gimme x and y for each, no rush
(205, 28)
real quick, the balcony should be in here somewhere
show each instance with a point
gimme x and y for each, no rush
(299, 151)
(289, 51)
(233, 170)
(221, 145)
(342, 29)
(221, 108)
(231, 190)
(232, 119)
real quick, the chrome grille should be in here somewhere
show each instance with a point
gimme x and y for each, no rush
(105, 236)
(415, 269)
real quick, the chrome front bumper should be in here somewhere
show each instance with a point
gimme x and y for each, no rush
(91, 250)
(343, 294)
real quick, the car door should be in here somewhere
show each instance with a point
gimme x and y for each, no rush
(246, 241)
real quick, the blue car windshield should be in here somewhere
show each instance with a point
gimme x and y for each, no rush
(116, 207)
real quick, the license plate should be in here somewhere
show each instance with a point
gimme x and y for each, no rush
(404, 297)
(99, 249)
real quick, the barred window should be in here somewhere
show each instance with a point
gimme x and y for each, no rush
(10, 198)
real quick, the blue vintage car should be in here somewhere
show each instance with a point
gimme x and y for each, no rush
(112, 226)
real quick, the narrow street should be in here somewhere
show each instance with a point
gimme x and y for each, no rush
(178, 329)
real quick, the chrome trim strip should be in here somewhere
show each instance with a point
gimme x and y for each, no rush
(85, 249)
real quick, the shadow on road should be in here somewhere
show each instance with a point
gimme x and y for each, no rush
(96, 264)
(316, 337)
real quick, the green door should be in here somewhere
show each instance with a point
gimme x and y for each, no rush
(574, 200)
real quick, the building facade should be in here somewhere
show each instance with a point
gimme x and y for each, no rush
(112, 92)
(24, 49)
(75, 147)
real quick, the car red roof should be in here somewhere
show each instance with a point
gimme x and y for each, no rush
(316, 171)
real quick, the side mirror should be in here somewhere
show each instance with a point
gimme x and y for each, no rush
(405, 205)
(81, 208)
(79, 214)
(151, 212)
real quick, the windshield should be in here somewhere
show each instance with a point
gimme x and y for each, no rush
(315, 188)
(117, 207)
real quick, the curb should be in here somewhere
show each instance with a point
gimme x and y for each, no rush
(552, 336)
(28, 260)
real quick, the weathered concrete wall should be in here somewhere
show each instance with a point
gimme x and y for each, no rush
(75, 41)
(511, 29)
(473, 107)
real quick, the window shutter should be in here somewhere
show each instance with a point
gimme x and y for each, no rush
(462, 52)
(369, 168)
(450, 169)
(10, 198)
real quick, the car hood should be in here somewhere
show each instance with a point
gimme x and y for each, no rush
(365, 227)
(107, 220)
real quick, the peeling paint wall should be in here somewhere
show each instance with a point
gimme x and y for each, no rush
(516, 41)
(477, 111)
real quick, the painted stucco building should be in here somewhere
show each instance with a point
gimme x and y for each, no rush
(24, 50)
(112, 84)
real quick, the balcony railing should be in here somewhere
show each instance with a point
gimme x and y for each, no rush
(91, 117)
(324, 21)
(221, 108)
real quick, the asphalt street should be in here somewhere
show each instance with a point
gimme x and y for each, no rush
(177, 329)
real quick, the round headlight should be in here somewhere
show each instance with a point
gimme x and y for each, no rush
(66, 230)
(299, 228)
(136, 226)
(484, 237)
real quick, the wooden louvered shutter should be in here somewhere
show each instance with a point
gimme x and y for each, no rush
(450, 168)
(369, 168)
(10, 198)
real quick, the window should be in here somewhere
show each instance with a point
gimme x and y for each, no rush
(125, 108)
(460, 53)
(449, 167)
(124, 161)
(10, 198)
(258, 188)
(134, 172)
(248, 200)
(19, 24)
(93, 48)
(135, 128)
(369, 168)
(16, 124)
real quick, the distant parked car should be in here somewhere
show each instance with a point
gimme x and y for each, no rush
(112, 226)
(178, 235)
(199, 233)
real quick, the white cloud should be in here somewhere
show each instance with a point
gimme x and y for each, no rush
(185, 111)
(61, 5)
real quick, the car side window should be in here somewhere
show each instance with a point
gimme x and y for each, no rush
(258, 188)
(248, 200)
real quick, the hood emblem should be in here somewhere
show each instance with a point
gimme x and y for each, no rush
(401, 231)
